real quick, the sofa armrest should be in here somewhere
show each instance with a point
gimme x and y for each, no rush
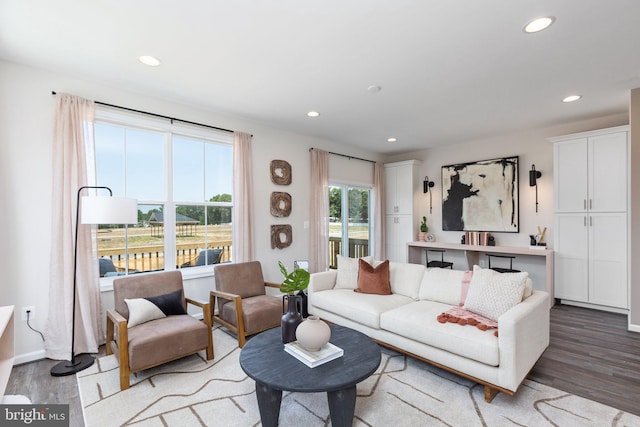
(322, 281)
(523, 337)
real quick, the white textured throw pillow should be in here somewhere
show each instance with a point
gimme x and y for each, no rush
(491, 294)
(141, 311)
(528, 284)
(347, 274)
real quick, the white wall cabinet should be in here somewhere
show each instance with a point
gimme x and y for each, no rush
(401, 224)
(591, 221)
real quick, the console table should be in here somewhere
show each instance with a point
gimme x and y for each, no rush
(415, 251)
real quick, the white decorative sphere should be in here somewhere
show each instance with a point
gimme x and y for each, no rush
(313, 333)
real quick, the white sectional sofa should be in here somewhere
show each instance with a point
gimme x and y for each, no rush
(406, 320)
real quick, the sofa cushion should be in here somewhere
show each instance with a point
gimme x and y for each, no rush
(405, 278)
(155, 342)
(347, 277)
(361, 308)
(442, 285)
(418, 321)
(373, 280)
(491, 294)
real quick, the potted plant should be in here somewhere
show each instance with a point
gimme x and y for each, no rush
(423, 229)
(297, 280)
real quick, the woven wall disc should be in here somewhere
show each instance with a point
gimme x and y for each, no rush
(280, 172)
(281, 236)
(280, 204)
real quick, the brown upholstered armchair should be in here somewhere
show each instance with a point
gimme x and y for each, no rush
(171, 335)
(243, 306)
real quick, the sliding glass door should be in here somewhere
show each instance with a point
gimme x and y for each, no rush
(349, 227)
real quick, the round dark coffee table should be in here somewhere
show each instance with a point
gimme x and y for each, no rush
(264, 359)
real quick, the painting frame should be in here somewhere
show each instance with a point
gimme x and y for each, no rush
(482, 196)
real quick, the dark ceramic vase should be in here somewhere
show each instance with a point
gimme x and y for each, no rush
(291, 319)
(302, 304)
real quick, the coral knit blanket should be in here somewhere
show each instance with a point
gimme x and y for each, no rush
(464, 317)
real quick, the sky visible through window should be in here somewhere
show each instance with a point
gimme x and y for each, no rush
(200, 170)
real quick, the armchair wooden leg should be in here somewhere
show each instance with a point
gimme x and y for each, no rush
(240, 323)
(110, 336)
(123, 356)
(206, 314)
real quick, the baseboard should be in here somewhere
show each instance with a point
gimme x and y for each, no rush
(28, 357)
(633, 328)
(595, 306)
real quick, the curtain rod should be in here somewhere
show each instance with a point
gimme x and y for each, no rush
(172, 119)
(348, 157)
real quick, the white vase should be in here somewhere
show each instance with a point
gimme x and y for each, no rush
(313, 333)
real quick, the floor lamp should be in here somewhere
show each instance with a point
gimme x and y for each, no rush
(95, 210)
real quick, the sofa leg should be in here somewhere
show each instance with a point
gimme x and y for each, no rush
(489, 393)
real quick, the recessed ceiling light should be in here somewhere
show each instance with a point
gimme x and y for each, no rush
(572, 98)
(151, 61)
(392, 139)
(313, 114)
(374, 89)
(538, 24)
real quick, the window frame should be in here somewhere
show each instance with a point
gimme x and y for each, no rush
(168, 128)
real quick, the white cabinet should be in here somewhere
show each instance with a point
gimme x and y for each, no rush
(591, 222)
(401, 224)
(591, 173)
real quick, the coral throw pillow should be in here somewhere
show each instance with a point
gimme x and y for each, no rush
(373, 280)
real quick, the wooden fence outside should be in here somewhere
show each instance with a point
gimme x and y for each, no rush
(151, 257)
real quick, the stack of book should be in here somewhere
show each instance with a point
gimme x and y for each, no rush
(312, 359)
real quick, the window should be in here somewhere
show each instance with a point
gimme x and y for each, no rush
(182, 177)
(349, 228)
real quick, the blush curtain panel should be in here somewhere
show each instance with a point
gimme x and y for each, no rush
(377, 248)
(242, 197)
(73, 145)
(319, 212)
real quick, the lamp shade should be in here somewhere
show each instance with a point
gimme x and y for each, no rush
(108, 210)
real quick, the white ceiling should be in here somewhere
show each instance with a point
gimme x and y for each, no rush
(450, 70)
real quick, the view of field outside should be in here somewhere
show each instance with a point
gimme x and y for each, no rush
(146, 251)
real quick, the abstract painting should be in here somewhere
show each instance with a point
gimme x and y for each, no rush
(481, 196)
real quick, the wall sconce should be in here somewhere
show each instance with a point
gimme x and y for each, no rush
(533, 181)
(426, 185)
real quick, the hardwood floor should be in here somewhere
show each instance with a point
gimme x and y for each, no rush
(591, 354)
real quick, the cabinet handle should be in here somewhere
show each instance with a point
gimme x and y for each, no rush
(591, 221)
(590, 204)
(584, 204)
(585, 221)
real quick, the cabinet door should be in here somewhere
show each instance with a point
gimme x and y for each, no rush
(404, 189)
(608, 173)
(390, 246)
(390, 179)
(608, 259)
(571, 178)
(571, 257)
(398, 232)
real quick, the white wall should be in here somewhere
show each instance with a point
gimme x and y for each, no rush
(26, 130)
(532, 147)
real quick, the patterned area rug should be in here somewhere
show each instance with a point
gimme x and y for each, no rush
(403, 392)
